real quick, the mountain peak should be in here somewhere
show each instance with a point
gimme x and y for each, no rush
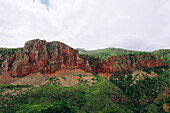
(42, 56)
(49, 57)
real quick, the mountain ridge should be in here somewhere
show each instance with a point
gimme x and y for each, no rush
(51, 76)
(48, 57)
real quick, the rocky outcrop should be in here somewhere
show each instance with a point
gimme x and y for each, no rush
(121, 64)
(48, 57)
(6, 53)
(45, 57)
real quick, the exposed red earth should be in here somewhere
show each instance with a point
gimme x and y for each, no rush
(49, 57)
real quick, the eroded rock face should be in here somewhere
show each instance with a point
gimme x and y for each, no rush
(7, 64)
(48, 57)
(121, 64)
(45, 57)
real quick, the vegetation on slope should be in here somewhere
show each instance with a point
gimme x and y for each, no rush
(80, 98)
(109, 52)
(145, 95)
(7, 53)
(163, 54)
(157, 106)
(145, 90)
(120, 95)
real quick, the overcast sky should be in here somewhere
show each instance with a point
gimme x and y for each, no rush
(90, 24)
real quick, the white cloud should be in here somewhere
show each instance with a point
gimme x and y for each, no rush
(90, 24)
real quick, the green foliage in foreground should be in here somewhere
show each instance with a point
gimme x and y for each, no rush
(158, 69)
(100, 98)
(157, 106)
(164, 83)
(145, 88)
(80, 98)
(11, 87)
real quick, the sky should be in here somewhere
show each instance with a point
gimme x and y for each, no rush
(142, 25)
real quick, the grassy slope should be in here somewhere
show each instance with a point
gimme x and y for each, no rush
(157, 106)
(80, 98)
(108, 52)
(163, 54)
(83, 98)
(145, 88)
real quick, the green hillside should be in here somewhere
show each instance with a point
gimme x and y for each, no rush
(163, 54)
(114, 96)
(109, 52)
(163, 81)
(120, 94)
(55, 98)
(145, 91)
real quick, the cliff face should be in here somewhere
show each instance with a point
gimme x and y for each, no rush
(48, 57)
(6, 53)
(121, 64)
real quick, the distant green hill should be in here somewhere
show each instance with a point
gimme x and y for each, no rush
(163, 54)
(109, 52)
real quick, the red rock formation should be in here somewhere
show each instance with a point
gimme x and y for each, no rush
(8, 63)
(46, 57)
(121, 64)
(98, 67)
(87, 67)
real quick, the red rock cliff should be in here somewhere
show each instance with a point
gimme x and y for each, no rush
(120, 64)
(46, 57)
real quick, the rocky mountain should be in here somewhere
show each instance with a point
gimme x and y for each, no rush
(6, 53)
(53, 77)
(121, 64)
(48, 57)
(45, 57)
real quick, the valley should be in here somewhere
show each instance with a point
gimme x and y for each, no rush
(50, 77)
